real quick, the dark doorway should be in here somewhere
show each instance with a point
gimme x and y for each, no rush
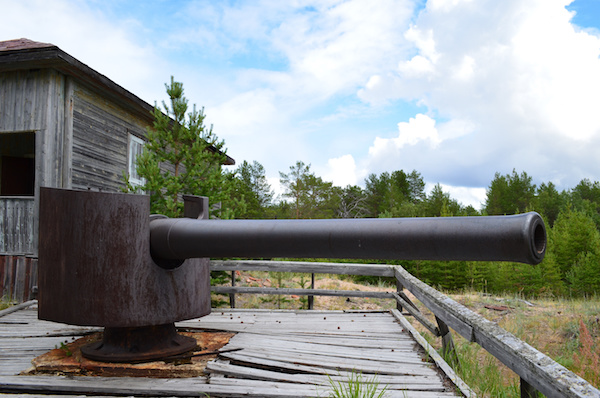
(17, 164)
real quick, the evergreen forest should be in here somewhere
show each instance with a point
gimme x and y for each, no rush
(195, 154)
(572, 263)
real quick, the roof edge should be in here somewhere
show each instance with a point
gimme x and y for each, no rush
(20, 54)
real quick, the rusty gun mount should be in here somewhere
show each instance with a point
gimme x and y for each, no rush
(105, 262)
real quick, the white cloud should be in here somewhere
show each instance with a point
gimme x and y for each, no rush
(247, 111)
(418, 66)
(113, 48)
(465, 195)
(516, 84)
(421, 128)
(342, 171)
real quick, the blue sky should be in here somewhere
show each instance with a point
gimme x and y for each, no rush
(455, 89)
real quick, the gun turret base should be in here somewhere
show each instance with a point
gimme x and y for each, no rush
(139, 344)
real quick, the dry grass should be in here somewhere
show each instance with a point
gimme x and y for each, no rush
(587, 360)
(552, 326)
(566, 330)
(295, 280)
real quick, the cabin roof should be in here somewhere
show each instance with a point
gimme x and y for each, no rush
(22, 44)
(24, 54)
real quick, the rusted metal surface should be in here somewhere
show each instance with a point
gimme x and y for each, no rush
(139, 344)
(519, 238)
(68, 359)
(95, 267)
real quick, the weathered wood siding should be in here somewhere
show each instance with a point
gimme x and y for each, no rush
(18, 276)
(23, 100)
(16, 225)
(36, 100)
(100, 142)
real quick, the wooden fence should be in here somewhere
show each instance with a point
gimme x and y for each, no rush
(537, 371)
(18, 278)
(17, 228)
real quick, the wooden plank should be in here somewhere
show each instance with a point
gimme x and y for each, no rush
(338, 356)
(331, 352)
(343, 342)
(281, 323)
(299, 292)
(411, 382)
(324, 367)
(305, 267)
(17, 307)
(338, 342)
(19, 281)
(323, 390)
(150, 387)
(417, 315)
(248, 328)
(333, 349)
(291, 318)
(536, 368)
(67, 161)
(179, 387)
(8, 275)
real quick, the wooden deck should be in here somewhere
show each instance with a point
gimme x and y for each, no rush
(284, 354)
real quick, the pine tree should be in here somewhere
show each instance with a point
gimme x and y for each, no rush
(311, 197)
(251, 191)
(181, 156)
(574, 234)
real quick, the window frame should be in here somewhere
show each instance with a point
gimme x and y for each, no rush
(135, 142)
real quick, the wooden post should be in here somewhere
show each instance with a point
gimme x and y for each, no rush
(232, 295)
(448, 350)
(399, 289)
(311, 299)
(527, 390)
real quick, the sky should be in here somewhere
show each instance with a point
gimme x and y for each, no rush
(458, 90)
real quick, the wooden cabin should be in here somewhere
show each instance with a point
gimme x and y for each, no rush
(63, 125)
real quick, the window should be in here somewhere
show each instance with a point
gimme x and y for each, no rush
(136, 146)
(17, 164)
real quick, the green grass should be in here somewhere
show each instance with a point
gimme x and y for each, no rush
(356, 387)
(4, 304)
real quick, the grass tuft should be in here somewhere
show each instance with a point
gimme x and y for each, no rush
(5, 303)
(357, 387)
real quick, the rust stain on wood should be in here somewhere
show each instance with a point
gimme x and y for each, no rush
(67, 360)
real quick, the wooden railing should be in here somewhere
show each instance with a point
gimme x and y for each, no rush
(537, 371)
(17, 225)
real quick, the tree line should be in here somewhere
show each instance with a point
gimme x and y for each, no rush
(572, 217)
(195, 155)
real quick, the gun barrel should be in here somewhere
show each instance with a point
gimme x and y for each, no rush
(517, 238)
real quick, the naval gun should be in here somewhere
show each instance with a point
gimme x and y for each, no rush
(104, 261)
